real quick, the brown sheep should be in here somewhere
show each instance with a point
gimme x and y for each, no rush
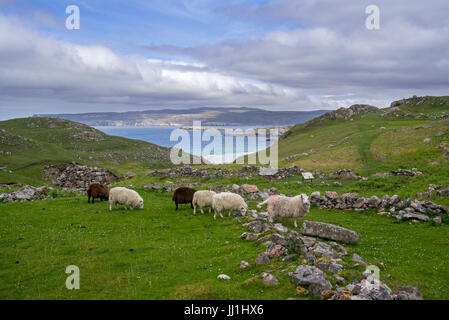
(183, 195)
(97, 190)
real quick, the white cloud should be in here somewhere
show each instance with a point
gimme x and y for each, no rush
(37, 66)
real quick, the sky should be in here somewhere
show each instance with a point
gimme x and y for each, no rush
(276, 55)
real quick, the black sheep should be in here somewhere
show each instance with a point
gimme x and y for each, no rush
(183, 195)
(97, 190)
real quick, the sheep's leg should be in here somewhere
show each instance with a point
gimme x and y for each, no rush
(191, 205)
(194, 211)
(110, 206)
(215, 215)
(202, 211)
(210, 209)
(176, 206)
(229, 213)
(295, 224)
(221, 215)
(88, 198)
(93, 199)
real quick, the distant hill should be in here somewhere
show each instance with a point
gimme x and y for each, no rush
(208, 116)
(28, 144)
(410, 133)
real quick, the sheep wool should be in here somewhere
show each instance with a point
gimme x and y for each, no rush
(202, 199)
(228, 201)
(287, 207)
(127, 197)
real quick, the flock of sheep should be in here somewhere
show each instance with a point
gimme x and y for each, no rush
(277, 206)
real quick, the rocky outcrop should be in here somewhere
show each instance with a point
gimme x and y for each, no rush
(328, 231)
(404, 172)
(348, 113)
(77, 177)
(27, 193)
(214, 172)
(408, 208)
(312, 277)
(344, 174)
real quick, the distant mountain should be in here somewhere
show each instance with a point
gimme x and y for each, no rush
(208, 116)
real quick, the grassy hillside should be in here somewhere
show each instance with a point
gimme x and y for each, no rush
(27, 145)
(373, 142)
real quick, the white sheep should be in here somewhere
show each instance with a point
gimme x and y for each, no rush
(128, 197)
(202, 199)
(228, 201)
(286, 207)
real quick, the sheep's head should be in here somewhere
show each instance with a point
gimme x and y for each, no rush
(243, 208)
(305, 202)
(140, 204)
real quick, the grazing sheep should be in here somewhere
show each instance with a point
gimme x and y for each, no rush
(286, 207)
(183, 195)
(202, 199)
(97, 190)
(228, 201)
(128, 197)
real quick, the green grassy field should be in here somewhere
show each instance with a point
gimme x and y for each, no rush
(160, 253)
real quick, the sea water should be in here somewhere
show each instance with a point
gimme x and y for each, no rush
(160, 135)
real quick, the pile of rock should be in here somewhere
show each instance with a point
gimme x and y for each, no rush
(404, 172)
(188, 171)
(344, 174)
(409, 208)
(78, 177)
(157, 187)
(348, 113)
(211, 173)
(443, 193)
(27, 193)
(321, 262)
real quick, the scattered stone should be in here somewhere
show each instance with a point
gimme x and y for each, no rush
(338, 279)
(407, 293)
(255, 226)
(279, 227)
(443, 192)
(313, 277)
(328, 231)
(249, 236)
(301, 291)
(358, 259)
(327, 264)
(262, 258)
(269, 280)
(224, 277)
(276, 251)
(290, 257)
(249, 188)
(344, 174)
(438, 220)
(244, 264)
